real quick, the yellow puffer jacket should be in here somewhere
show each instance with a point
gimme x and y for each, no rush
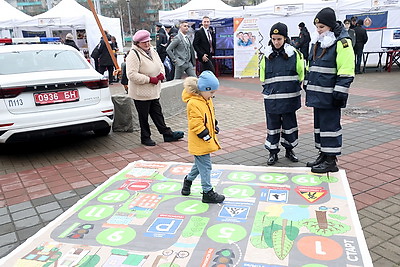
(201, 116)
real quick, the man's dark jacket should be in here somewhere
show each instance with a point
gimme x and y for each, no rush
(104, 57)
(201, 44)
(361, 37)
(304, 42)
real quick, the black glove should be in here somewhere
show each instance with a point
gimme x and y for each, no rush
(216, 129)
(339, 103)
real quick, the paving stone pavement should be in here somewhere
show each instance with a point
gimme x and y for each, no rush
(40, 180)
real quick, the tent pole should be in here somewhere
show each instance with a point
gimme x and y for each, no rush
(103, 34)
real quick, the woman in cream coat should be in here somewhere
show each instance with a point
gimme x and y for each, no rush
(145, 72)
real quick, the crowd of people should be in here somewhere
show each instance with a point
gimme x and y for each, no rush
(321, 63)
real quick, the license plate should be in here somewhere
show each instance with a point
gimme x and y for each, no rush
(56, 97)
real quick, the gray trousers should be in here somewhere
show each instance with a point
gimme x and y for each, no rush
(185, 68)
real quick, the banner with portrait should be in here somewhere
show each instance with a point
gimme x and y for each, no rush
(246, 35)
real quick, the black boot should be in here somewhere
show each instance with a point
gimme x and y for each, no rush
(186, 187)
(291, 156)
(272, 159)
(319, 160)
(212, 197)
(328, 165)
(148, 142)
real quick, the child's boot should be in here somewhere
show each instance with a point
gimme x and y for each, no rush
(186, 187)
(212, 197)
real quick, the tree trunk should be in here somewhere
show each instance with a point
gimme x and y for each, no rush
(321, 219)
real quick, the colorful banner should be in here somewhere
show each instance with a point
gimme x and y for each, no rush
(271, 216)
(246, 42)
(372, 21)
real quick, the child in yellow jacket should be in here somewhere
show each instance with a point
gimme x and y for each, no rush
(202, 132)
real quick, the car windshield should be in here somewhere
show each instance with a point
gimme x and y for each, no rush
(40, 60)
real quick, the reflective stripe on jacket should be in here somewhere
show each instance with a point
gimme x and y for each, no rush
(281, 82)
(329, 77)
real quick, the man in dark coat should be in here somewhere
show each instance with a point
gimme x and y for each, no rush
(204, 44)
(105, 60)
(161, 42)
(69, 40)
(303, 43)
(361, 40)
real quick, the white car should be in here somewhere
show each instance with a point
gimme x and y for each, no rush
(50, 89)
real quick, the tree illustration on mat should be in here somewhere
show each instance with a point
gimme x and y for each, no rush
(278, 228)
(324, 227)
(280, 225)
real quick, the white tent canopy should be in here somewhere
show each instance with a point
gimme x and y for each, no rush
(292, 12)
(196, 9)
(287, 7)
(68, 14)
(10, 16)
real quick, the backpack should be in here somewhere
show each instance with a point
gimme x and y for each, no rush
(95, 53)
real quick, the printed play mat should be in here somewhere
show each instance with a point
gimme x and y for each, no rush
(271, 217)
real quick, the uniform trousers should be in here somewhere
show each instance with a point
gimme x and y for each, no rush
(328, 131)
(153, 108)
(281, 125)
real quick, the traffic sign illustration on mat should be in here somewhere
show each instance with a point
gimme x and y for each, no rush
(270, 217)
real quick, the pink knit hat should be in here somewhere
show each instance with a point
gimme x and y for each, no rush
(141, 36)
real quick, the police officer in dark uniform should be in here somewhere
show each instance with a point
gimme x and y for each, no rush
(161, 42)
(329, 76)
(281, 72)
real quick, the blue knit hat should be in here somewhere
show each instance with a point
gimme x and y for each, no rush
(207, 81)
